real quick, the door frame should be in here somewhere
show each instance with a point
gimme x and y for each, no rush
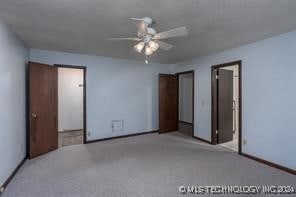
(214, 113)
(84, 95)
(193, 96)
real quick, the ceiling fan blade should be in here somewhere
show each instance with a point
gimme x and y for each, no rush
(182, 31)
(120, 39)
(147, 20)
(141, 25)
(137, 19)
(164, 46)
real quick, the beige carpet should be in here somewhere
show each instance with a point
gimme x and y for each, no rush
(147, 165)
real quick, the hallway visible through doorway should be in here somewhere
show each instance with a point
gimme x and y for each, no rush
(185, 101)
(70, 106)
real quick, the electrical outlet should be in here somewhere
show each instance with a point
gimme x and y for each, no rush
(244, 142)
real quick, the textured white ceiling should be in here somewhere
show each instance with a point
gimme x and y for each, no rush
(81, 26)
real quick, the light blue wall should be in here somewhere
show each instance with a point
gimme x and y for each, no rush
(13, 58)
(268, 96)
(116, 89)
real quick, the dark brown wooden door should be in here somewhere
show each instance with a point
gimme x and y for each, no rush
(43, 98)
(225, 104)
(168, 103)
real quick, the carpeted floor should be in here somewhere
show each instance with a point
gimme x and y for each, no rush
(147, 165)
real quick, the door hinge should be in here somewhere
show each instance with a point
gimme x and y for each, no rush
(217, 76)
(216, 131)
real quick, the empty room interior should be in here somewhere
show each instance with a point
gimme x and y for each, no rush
(147, 98)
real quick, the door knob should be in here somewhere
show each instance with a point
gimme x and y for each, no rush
(34, 115)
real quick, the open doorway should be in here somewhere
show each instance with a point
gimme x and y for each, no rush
(226, 105)
(186, 102)
(71, 105)
(45, 116)
(176, 102)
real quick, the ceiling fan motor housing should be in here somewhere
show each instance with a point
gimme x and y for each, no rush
(148, 20)
(147, 36)
(151, 31)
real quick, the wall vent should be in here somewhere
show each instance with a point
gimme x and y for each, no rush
(117, 125)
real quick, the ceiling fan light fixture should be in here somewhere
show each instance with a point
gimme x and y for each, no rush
(148, 50)
(139, 47)
(153, 45)
(149, 40)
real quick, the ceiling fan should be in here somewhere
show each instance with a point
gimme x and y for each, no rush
(149, 40)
